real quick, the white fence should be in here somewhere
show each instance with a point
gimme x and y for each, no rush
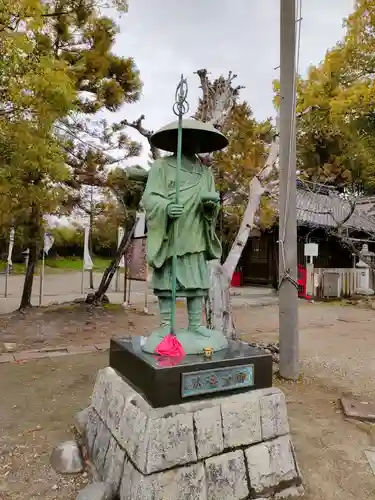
(348, 281)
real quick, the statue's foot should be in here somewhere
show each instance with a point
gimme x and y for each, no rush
(193, 342)
(162, 331)
(202, 330)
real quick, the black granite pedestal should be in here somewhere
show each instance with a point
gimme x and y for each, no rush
(165, 381)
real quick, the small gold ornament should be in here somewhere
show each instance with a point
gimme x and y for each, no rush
(208, 352)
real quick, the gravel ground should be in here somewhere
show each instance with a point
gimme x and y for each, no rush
(42, 397)
(337, 344)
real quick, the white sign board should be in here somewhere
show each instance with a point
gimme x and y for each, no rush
(87, 261)
(120, 235)
(140, 228)
(311, 249)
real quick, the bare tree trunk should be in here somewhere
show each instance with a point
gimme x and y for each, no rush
(218, 304)
(255, 192)
(29, 278)
(221, 275)
(33, 237)
(113, 266)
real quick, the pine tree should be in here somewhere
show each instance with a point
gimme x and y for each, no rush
(335, 103)
(55, 75)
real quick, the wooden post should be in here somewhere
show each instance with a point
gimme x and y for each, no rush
(83, 279)
(288, 295)
(91, 271)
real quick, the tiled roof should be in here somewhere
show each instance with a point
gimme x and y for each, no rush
(317, 209)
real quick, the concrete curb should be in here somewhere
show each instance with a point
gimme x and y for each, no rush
(51, 352)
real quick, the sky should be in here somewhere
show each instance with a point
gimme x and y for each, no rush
(170, 37)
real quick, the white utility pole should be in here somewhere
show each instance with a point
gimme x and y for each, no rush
(288, 295)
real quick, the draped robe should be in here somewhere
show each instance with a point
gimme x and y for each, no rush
(196, 242)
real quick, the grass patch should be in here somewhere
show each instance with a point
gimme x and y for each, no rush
(59, 265)
(75, 264)
(113, 307)
(16, 269)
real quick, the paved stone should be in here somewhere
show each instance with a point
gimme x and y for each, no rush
(105, 386)
(133, 433)
(92, 429)
(10, 346)
(155, 451)
(99, 386)
(57, 354)
(82, 419)
(99, 450)
(273, 415)
(94, 491)
(184, 483)
(226, 477)
(50, 349)
(6, 358)
(270, 463)
(115, 413)
(208, 432)
(114, 466)
(126, 480)
(81, 349)
(25, 356)
(241, 420)
(170, 442)
(102, 347)
(51, 352)
(370, 455)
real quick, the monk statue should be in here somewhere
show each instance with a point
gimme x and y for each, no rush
(195, 242)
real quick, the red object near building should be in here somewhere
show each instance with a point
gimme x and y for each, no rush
(302, 280)
(236, 279)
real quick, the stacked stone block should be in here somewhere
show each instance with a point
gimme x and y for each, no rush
(236, 447)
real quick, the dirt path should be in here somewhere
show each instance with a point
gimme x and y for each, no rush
(61, 287)
(42, 397)
(329, 449)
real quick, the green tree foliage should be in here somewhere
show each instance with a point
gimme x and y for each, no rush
(335, 135)
(57, 70)
(243, 158)
(128, 193)
(103, 81)
(84, 39)
(69, 239)
(236, 166)
(35, 91)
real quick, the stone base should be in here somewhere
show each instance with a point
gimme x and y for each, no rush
(231, 448)
(159, 379)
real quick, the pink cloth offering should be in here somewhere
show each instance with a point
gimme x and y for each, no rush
(170, 346)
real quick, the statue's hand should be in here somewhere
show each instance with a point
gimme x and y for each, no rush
(174, 210)
(210, 199)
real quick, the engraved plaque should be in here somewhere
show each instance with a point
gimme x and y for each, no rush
(216, 380)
